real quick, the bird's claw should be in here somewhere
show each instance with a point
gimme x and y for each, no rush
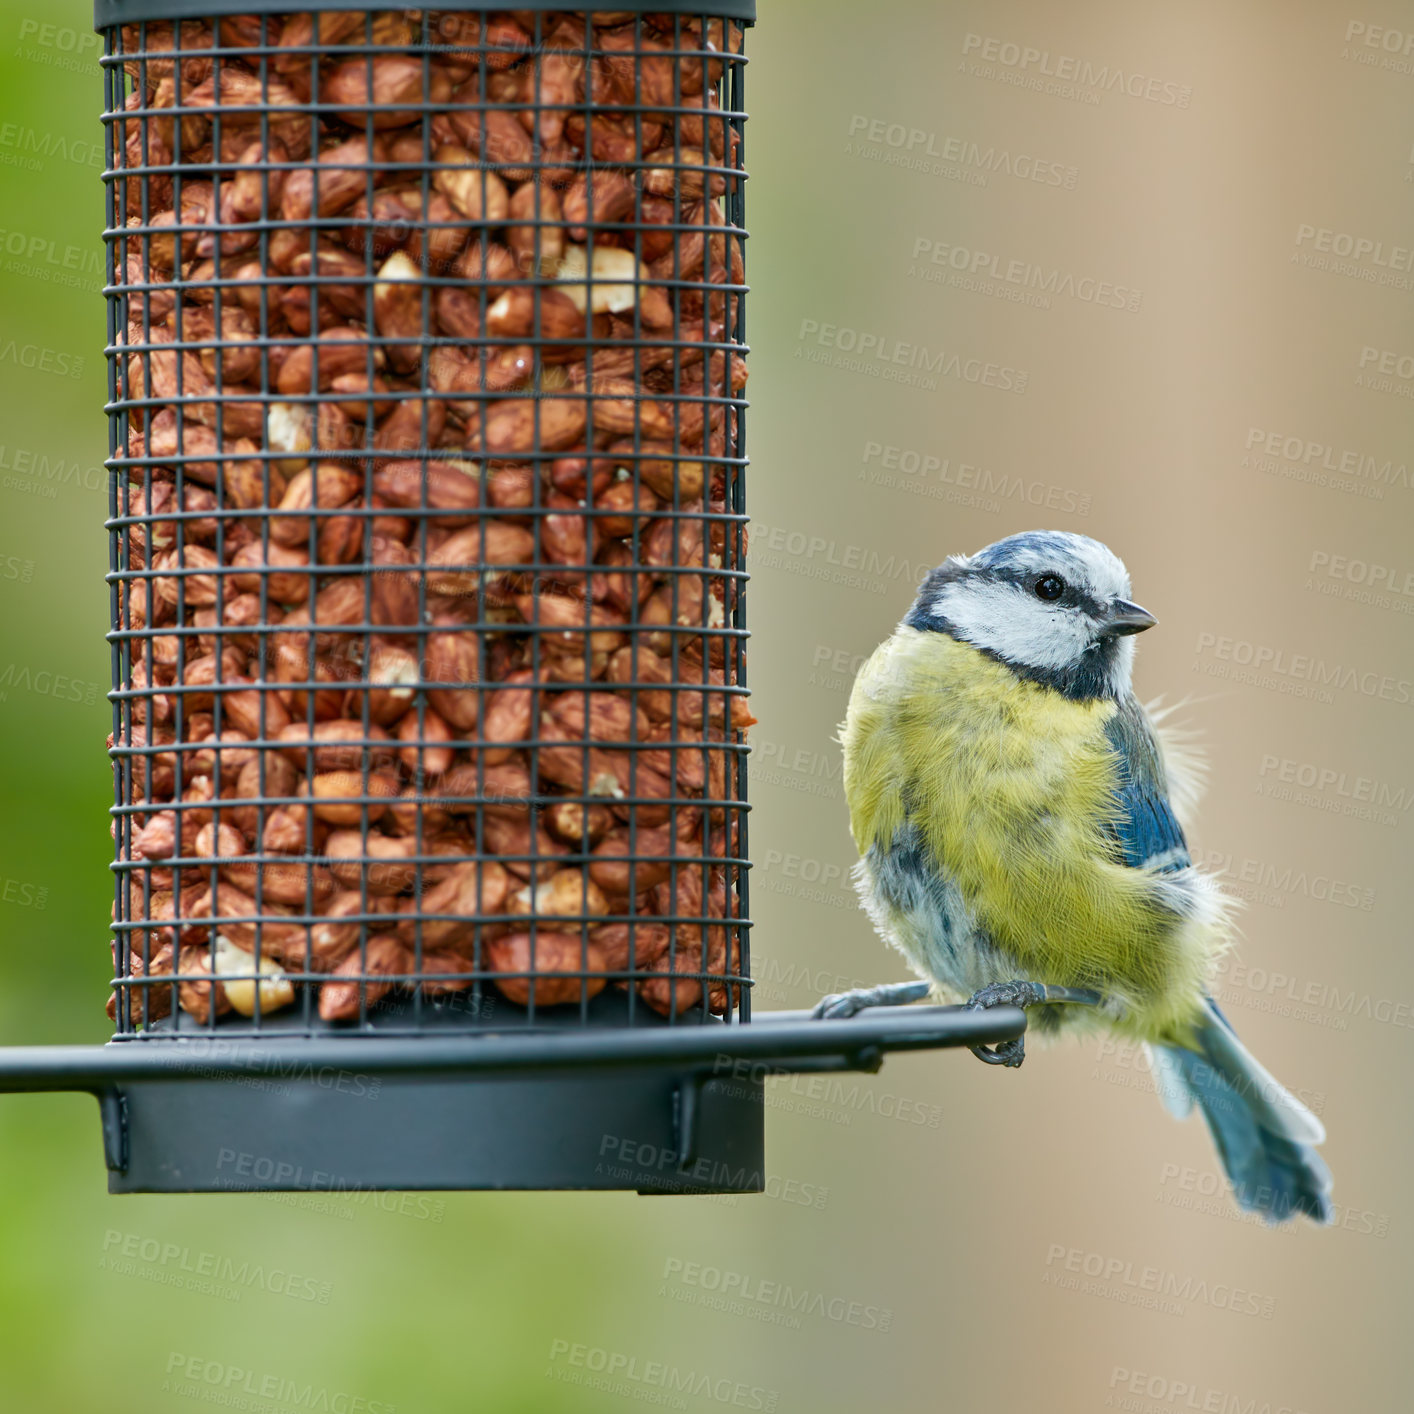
(1020, 994)
(838, 1005)
(1025, 994)
(1008, 1053)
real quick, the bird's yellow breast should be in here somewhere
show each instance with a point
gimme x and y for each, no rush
(1012, 786)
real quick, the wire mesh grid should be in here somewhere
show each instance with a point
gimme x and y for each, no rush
(425, 351)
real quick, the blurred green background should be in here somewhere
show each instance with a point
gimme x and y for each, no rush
(975, 1240)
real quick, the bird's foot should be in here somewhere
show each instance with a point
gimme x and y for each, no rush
(841, 1004)
(1021, 994)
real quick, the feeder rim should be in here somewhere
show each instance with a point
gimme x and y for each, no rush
(108, 13)
(785, 1041)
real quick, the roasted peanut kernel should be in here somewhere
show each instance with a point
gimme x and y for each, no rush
(342, 996)
(377, 861)
(566, 894)
(338, 796)
(370, 89)
(235, 968)
(573, 823)
(543, 960)
(424, 747)
(476, 191)
(467, 892)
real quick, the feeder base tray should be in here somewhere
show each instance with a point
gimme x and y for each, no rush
(338, 1130)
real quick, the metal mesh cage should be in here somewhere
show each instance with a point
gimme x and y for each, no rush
(427, 519)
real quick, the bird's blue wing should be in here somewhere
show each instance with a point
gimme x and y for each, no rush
(1146, 831)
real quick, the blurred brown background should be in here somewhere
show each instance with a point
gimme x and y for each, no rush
(1143, 272)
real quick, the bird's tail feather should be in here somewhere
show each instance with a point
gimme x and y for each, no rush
(1264, 1134)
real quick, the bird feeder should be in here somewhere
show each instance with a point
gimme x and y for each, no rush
(426, 351)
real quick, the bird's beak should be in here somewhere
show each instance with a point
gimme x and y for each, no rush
(1124, 617)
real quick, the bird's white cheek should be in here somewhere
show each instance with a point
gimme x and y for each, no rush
(1121, 672)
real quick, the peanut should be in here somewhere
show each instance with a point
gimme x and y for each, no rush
(344, 994)
(551, 967)
(245, 983)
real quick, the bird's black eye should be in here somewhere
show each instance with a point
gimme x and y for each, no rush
(1050, 586)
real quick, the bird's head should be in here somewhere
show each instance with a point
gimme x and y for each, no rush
(1053, 606)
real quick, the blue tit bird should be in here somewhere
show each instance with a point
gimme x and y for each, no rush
(1012, 805)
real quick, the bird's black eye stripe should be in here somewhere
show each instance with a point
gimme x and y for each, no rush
(1049, 586)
